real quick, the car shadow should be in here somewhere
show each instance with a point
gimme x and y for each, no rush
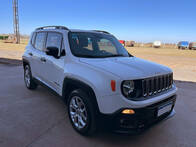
(10, 62)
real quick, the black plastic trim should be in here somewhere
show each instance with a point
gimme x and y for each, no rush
(142, 119)
(78, 84)
(45, 86)
(25, 61)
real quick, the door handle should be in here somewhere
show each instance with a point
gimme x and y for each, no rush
(43, 59)
(30, 54)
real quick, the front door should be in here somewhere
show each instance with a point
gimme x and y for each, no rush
(53, 68)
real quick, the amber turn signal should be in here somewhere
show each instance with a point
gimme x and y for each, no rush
(128, 111)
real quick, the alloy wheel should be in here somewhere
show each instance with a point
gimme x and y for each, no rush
(78, 112)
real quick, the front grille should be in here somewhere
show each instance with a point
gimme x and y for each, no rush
(155, 85)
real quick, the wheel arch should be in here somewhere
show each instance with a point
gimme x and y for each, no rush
(69, 84)
(25, 62)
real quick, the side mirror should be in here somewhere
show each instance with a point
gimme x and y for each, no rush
(52, 51)
(130, 55)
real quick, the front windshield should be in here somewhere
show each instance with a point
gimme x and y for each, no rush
(95, 45)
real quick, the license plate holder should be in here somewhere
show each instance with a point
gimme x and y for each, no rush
(164, 109)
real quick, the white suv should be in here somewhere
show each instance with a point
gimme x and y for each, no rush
(98, 79)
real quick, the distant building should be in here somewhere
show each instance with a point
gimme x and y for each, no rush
(129, 43)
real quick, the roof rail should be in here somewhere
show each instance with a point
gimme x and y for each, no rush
(101, 31)
(53, 27)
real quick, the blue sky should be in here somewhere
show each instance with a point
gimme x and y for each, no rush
(139, 20)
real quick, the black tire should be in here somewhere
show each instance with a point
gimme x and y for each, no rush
(90, 127)
(29, 84)
(179, 47)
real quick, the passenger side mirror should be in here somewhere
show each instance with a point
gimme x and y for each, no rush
(130, 55)
(52, 51)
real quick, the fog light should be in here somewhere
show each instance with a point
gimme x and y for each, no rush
(128, 111)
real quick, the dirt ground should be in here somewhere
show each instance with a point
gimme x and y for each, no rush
(182, 62)
(12, 51)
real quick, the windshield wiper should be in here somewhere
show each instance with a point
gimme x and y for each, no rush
(118, 55)
(90, 56)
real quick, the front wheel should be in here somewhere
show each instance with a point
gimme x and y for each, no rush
(30, 84)
(81, 112)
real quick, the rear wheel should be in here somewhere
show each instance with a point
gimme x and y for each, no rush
(81, 112)
(30, 84)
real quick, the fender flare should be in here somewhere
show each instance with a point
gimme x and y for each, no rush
(25, 61)
(81, 85)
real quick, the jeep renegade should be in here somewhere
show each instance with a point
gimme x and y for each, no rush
(97, 78)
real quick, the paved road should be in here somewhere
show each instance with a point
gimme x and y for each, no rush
(39, 119)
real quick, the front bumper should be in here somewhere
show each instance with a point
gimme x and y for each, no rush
(112, 103)
(183, 47)
(194, 47)
(142, 119)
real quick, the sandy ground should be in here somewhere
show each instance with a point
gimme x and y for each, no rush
(12, 51)
(182, 62)
(39, 119)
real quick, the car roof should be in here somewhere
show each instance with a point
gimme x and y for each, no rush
(78, 30)
(184, 41)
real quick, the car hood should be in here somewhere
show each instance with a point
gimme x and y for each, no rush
(128, 67)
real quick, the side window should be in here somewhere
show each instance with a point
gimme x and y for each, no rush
(40, 40)
(33, 39)
(54, 40)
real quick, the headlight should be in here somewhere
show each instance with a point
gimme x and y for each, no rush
(127, 88)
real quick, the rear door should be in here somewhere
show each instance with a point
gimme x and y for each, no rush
(39, 47)
(31, 51)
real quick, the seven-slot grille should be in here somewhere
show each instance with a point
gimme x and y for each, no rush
(154, 85)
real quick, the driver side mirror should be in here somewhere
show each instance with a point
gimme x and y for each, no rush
(52, 51)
